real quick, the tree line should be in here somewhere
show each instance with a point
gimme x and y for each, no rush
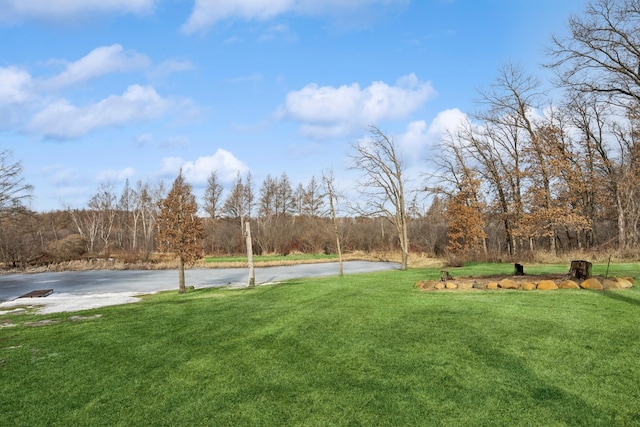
(553, 175)
(127, 223)
(523, 173)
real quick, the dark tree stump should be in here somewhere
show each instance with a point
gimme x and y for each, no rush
(444, 276)
(580, 269)
(519, 269)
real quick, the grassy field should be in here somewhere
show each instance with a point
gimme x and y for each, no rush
(362, 350)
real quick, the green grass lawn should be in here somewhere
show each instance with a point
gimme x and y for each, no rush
(363, 350)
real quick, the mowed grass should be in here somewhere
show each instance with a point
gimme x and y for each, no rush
(365, 350)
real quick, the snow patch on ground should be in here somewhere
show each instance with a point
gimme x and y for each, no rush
(58, 303)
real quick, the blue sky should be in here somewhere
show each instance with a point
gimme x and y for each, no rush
(98, 91)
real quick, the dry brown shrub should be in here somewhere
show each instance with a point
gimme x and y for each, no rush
(593, 255)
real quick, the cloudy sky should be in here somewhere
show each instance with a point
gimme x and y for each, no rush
(100, 91)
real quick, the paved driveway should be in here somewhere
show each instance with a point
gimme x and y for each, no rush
(146, 281)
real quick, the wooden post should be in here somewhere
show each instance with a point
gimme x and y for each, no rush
(252, 273)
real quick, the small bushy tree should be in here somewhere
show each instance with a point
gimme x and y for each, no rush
(180, 228)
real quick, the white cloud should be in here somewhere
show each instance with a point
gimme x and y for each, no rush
(419, 136)
(223, 162)
(445, 121)
(414, 139)
(327, 111)
(100, 61)
(63, 120)
(207, 13)
(15, 86)
(166, 68)
(144, 140)
(48, 10)
(59, 175)
(111, 175)
(16, 95)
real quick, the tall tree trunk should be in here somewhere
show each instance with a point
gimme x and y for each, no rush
(252, 274)
(182, 288)
(336, 231)
(622, 240)
(404, 242)
(328, 181)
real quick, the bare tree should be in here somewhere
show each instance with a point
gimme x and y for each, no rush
(329, 182)
(602, 53)
(146, 212)
(86, 222)
(103, 203)
(458, 180)
(312, 204)
(285, 203)
(126, 227)
(13, 189)
(266, 202)
(20, 240)
(239, 203)
(382, 182)
(599, 62)
(213, 207)
(180, 226)
(212, 196)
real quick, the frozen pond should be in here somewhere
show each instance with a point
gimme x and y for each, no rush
(147, 281)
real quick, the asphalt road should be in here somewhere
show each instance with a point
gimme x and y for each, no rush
(146, 281)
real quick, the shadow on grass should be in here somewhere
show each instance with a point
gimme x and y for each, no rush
(619, 296)
(511, 379)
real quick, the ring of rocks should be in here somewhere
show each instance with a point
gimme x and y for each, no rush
(525, 283)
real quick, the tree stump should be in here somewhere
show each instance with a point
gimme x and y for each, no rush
(580, 269)
(444, 276)
(519, 269)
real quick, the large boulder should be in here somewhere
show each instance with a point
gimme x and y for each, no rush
(508, 284)
(547, 285)
(439, 286)
(465, 286)
(592, 284)
(480, 285)
(611, 284)
(424, 284)
(492, 285)
(451, 285)
(528, 286)
(568, 284)
(625, 283)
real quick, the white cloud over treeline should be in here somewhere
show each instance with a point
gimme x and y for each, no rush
(329, 111)
(226, 165)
